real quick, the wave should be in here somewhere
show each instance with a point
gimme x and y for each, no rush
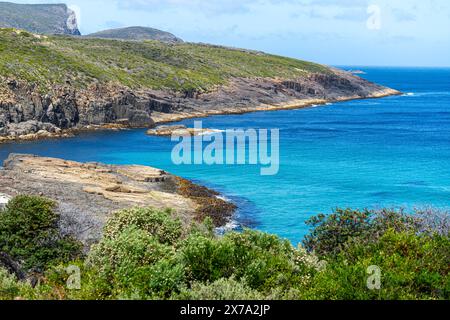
(429, 93)
(232, 225)
(4, 199)
(222, 197)
(210, 132)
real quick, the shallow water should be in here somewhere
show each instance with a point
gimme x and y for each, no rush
(393, 151)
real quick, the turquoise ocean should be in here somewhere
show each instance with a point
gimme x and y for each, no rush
(389, 152)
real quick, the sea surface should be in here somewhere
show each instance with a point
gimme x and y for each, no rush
(389, 152)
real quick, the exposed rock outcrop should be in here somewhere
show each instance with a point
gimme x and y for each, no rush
(23, 110)
(87, 193)
(180, 130)
(12, 266)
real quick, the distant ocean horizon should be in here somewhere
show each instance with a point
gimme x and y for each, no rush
(389, 152)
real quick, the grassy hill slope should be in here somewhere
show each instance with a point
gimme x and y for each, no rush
(53, 60)
(136, 33)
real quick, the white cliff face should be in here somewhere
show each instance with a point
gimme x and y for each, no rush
(40, 19)
(72, 22)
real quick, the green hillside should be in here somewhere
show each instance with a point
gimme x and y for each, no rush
(49, 60)
(136, 33)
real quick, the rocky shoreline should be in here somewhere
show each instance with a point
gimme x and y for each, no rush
(26, 114)
(159, 118)
(87, 193)
(165, 118)
(180, 130)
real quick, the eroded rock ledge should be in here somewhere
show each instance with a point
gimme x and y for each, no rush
(180, 130)
(87, 193)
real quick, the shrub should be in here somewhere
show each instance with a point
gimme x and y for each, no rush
(9, 287)
(207, 259)
(222, 289)
(432, 221)
(125, 259)
(412, 267)
(263, 261)
(136, 257)
(162, 279)
(29, 233)
(145, 255)
(331, 232)
(160, 224)
(13, 289)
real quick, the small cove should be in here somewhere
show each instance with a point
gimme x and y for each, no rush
(392, 152)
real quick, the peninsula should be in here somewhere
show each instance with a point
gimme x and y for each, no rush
(57, 85)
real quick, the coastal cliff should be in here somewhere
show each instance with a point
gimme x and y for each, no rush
(51, 86)
(39, 18)
(88, 193)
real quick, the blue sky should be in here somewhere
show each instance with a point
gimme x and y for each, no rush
(336, 32)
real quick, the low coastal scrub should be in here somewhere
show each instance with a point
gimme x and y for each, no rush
(29, 233)
(184, 67)
(149, 254)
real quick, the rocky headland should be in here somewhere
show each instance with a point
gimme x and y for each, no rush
(39, 18)
(54, 86)
(87, 193)
(25, 114)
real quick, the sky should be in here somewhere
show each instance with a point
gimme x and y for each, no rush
(334, 32)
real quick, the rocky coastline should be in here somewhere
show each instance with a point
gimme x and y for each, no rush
(180, 130)
(88, 193)
(27, 114)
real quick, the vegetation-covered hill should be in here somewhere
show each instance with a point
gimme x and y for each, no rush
(39, 18)
(136, 33)
(95, 81)
(51, 60)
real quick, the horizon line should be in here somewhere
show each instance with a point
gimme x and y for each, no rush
(387, 66)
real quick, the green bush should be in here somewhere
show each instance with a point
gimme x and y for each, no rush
(161, 224)
(412, 267)
(9, 286)
(145, 254)
(206, 259)
(222, 289)
(261, 260)
(330, 233)
(13, 289)
(29, 233)
(127, 260)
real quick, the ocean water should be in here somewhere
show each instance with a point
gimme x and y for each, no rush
(389, 152)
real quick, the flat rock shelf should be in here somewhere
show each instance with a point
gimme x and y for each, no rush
(87, 193)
